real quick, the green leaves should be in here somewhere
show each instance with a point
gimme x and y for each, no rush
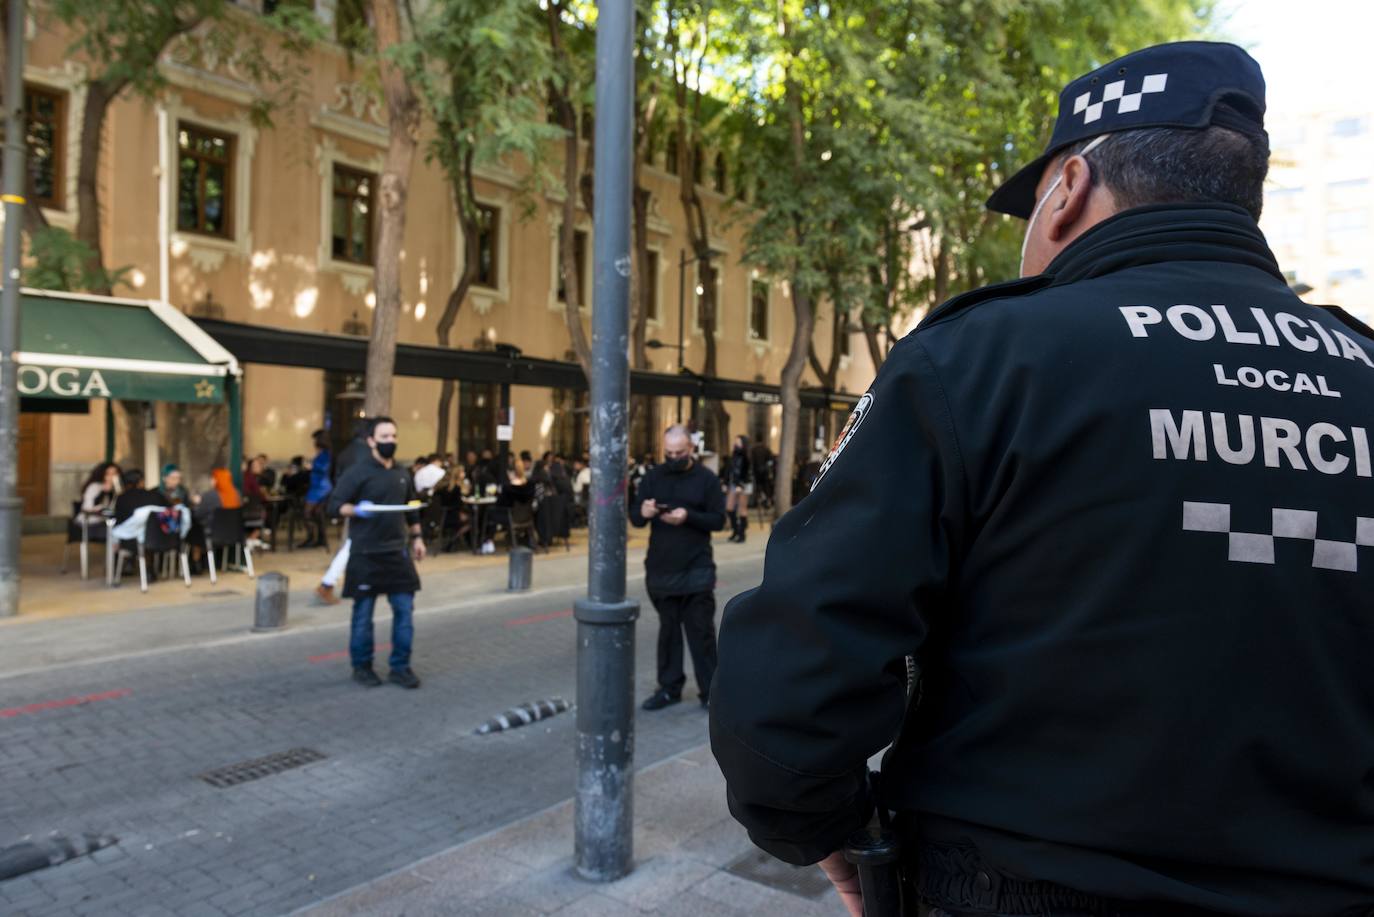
(910, 114)
(480, 71)
(62, 262)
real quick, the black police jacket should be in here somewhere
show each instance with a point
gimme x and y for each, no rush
(1123, 515)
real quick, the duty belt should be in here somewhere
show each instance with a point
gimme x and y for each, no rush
(955, 879)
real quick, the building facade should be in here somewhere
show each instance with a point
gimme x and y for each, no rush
(274, 226)
(1319, 206)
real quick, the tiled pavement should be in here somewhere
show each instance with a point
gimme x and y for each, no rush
(404, 776)
(684, 842)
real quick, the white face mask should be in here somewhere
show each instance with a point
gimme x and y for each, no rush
(1030, 224)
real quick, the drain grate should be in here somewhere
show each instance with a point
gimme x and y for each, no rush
(256, 769)
(220, 594)
(757, 866)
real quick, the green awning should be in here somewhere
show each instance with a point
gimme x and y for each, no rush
(74, 346)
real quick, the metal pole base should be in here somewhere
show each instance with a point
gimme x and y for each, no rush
(604, 812)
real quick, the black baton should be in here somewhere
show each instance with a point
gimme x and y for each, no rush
(875, 851)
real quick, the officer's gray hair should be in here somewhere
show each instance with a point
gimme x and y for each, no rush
(1164, 165)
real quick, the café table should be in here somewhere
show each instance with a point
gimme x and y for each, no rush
(479, 507)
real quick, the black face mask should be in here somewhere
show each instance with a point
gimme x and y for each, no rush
(386, 450)
(676, 465)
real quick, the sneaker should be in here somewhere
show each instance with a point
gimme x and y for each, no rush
(488, 547)
(326, 595)
(660, 699)
(364, 676)
(403, 677)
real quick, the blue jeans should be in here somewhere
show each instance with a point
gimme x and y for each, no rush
(360, 642)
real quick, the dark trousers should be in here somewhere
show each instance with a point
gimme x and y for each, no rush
(360, 641)
(694, 614)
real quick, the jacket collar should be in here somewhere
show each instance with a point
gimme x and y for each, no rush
(1143, 235)
(1164, 233)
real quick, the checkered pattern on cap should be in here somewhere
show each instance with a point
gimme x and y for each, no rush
(1300, 524)
(1172, 85)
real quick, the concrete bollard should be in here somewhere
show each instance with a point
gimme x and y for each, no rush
(521, 570)
(269, 606)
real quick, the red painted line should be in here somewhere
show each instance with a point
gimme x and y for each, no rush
(343, 654)
(535, 619)
(64, 702)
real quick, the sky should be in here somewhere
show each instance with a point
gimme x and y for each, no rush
(1313, 52)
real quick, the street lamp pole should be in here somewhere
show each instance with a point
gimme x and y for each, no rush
(603, 849)
(15, 170)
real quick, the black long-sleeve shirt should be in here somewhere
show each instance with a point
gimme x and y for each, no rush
(368, 479)
(680, 561)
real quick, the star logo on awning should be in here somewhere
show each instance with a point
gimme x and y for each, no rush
(205, 389)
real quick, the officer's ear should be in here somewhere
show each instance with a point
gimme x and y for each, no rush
(1076, 188)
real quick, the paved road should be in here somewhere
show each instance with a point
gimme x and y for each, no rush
(403, 777)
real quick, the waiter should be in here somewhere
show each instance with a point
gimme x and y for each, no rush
(380, 560)
(1121, 511)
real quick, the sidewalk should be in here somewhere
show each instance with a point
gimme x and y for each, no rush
(123, 622)
(47, 593)
(691, 860)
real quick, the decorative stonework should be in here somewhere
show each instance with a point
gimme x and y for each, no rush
(356, 282)
(357, 112)
(657, 222)
(205, 260)
(192, 63)
(358, 101)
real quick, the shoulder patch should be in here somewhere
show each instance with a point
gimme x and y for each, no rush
(861, 410)
(1010, 288)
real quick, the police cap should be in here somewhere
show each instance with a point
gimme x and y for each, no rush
(1185, 84)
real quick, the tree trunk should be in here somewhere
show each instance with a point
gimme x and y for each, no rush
(467, 273)
(790, 385)
(567, 233)
(941, 273)
(802, 307)
(403, 116)
(875, 349)
(99, 95)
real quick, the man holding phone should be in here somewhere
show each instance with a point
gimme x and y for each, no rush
(681, 500)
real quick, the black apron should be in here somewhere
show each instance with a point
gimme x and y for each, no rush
(380, 574)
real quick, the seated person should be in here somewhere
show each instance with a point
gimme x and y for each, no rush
(295, 480)
(173, 492)
(266, 476)
(134, 495)
(429, 475)
(254, 497)
(101, 490)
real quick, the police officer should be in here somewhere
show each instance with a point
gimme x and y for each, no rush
(1121, 511)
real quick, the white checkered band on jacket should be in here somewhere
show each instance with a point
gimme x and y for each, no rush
(1300, 524)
